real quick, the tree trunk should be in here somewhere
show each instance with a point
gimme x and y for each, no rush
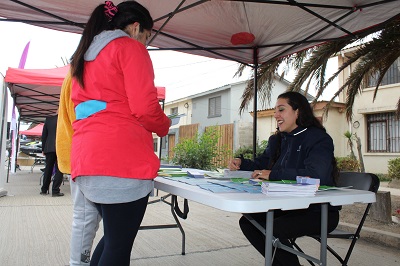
(352, 155)
(360, 157)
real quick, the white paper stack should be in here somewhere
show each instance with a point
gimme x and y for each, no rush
(237, 174)
(279, 189)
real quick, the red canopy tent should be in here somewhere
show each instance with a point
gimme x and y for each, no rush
(35, 131)
(36, 92)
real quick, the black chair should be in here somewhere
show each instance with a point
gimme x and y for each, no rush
(360, 181)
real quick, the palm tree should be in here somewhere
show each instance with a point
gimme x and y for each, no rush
(349, 138)
(372, 59)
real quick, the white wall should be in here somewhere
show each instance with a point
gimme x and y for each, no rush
(200, 108)
(237, 90)
(386, 101)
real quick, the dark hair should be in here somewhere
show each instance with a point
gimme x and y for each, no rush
(306, 118)
(128, 12)
(299, 102)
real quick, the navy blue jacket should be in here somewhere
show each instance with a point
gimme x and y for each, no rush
(304, 152)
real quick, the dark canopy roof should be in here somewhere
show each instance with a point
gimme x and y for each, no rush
(208, 28)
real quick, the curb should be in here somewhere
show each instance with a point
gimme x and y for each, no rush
(375, 235)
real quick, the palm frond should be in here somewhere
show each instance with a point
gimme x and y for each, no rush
(266, 74)
(398, 109)
(318, 59)
(372, 59)
(239, 71)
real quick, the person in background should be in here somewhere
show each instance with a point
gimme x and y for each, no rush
(86, 217)
(49, 150)
(117, 110)
(301, 147)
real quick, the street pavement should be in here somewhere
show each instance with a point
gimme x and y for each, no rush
(35, 230)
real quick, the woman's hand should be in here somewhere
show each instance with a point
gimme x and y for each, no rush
(261, 174)
(235, 164)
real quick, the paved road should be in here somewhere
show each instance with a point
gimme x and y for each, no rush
(35, 230)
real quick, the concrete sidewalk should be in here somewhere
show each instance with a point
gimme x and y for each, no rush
(35, 230)
(383, 186)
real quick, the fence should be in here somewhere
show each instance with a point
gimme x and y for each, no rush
(225, 142)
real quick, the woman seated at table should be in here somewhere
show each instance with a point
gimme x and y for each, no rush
(301, 147)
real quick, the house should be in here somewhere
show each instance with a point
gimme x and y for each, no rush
(219, 106)
(374, 121)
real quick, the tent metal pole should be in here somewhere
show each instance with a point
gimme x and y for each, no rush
(255, 60)
(160, 151)
(17, 141)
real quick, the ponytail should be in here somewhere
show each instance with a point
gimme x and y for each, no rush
(97, 23)
(108, 17)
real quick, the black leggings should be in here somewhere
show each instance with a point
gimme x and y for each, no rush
(287, 225)
(121, 223)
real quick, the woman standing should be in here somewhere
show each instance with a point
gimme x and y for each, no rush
(116, 106)
(301, 147)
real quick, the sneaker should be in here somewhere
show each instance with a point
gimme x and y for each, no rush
(59, 194)
(43, 193)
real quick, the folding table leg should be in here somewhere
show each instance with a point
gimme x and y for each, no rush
(269, 227)
(324, 232)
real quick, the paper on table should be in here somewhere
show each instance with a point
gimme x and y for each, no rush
(297, 189)
(172, 173)
(237, 174)
(307, 180)
(195, 174)
(215, 175)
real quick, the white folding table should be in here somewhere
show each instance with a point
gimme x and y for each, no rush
(258, 202)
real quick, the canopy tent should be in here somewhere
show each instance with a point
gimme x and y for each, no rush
(35, 131)
(36, 92)
(250, 32)
(268, 29)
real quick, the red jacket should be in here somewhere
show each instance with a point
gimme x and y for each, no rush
(117, 141)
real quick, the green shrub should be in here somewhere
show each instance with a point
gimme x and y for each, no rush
(383, 177)
(200, 152)
(347, 164)
(247, 151)
(394, 168)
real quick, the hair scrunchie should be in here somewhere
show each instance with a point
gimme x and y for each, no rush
(110, 10)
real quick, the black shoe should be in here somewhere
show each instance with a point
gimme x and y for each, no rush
(59, 194)
(43, 193)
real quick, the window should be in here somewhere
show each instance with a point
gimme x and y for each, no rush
(174, 111)
(383, 132)
(392, 76)
(214, 106)
(155, 144)
(164, 142)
